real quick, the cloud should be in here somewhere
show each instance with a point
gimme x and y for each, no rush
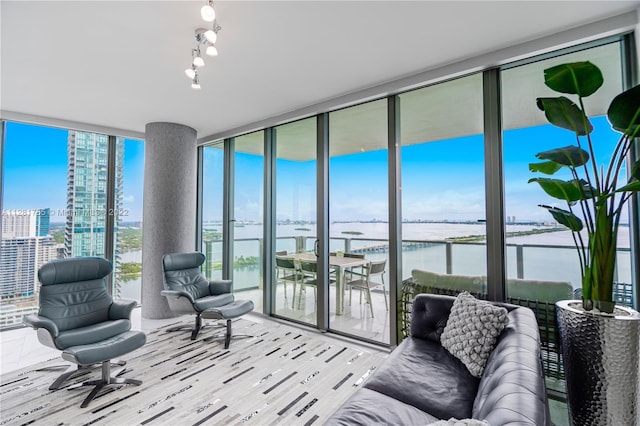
(128, 198)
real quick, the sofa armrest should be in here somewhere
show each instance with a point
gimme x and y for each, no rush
(177, 294)
(36, 322)
(429, 316)
(121, 309)
(217, 287)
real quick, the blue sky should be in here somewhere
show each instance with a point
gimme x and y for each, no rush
(35, 172)
(440, 180)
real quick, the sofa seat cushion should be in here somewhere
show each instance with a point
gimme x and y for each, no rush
(423, 374)
(92, 333)
(513, 376)
(368, 407)
(207, 302)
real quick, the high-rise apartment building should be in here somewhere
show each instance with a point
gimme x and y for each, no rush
(26, 245)
(25, 223)
(87, 193)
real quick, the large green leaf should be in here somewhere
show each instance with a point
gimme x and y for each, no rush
(565, 218)
(631, 187)
(548, 167)
(568, 191)
(624, 111)
(568, 156)
(577, 78)
(562, 112)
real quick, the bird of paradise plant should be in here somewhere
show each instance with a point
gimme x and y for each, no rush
(593, 193)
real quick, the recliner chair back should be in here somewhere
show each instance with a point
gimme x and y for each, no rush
(74, 294)
(182, 272)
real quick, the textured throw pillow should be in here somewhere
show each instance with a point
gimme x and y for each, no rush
(472, 330)
(463, 422)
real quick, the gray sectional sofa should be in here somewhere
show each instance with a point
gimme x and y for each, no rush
(421, 382)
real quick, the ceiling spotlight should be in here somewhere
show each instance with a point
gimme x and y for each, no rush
(211, 36)
(195, 84)
(197, 59)
(191, 72)
(212, 51)
(207, 12)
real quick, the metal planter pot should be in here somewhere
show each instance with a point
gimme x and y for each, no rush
(600, 355)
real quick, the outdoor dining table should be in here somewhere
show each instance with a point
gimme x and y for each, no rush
(341, 264)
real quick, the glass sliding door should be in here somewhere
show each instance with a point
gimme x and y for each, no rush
(247, 220)
(295, 216)
(443, 192)
(359, 221)
(212, 208)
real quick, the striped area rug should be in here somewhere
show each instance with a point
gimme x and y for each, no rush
(282, 375)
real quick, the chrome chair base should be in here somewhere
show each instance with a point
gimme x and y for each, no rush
(106, 380)
(195, 329)
(73, 370)
(227, 336)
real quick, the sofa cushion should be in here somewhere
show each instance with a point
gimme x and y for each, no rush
(368, 407)
(471, 283)
(423, 374)
(472, 330)
(513, 376)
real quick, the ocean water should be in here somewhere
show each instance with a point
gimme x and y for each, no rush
(540, 261)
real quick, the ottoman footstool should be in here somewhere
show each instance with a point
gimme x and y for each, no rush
(228, 312)
(101, 353)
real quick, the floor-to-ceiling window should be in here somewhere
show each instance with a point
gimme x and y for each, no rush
(55, 190)
(34, 205)
(443, 190)
(128, 245)
(542, 263)
(295, 217)
(248, 212)
(359, 220)
(443, 199)
(212, 209)
(546, 250)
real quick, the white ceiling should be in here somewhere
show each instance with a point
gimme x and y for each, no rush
(120, 64)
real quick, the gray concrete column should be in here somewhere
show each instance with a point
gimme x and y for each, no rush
(170, 198)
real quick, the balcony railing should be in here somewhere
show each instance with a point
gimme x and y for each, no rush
(524, 261)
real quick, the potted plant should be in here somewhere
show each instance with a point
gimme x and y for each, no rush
(600, 342)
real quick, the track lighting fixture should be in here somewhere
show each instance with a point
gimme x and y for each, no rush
(195, 83)
(211, 51)
(191, 72)
(207, 12)
(197, 58)
(204, 38)
(211, 36)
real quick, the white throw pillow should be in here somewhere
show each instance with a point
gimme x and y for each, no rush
(463, 422)
(472, 330)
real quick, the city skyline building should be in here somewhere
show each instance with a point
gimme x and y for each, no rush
(26, 223)
(87, 175)
(26, 246)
